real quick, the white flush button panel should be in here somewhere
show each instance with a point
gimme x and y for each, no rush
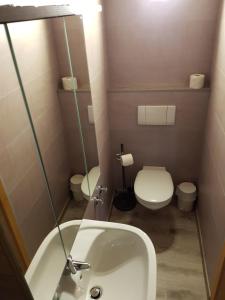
(90, 114)
(147, 115)
(156, 115)
(171, 114)
(141, 115)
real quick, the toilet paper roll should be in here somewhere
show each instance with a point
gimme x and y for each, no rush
(69, 83)
(197, 81)
(127, 160)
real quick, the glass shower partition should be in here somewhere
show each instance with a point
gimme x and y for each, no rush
(32, 51)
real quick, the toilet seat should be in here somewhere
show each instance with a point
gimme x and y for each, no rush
(153, 187)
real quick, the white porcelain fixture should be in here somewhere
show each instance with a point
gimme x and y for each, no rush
(122, 259)
(141, 115)
(153, 187)
(89, 183)
(156, 115)
(45, 269)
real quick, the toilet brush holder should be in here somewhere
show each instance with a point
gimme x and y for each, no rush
(124, 200)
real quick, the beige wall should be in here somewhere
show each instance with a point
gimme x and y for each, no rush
(211, 206)
(72, 131)
(19, 168)
(75, 34)
(95, 48)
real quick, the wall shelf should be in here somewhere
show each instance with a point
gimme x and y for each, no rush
(156, 89)
(79, 90)
(134, 89)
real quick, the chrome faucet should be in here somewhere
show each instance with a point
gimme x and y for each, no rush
(97, 199)
(101, 189)
(73, 266)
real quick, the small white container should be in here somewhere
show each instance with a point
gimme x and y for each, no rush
(75, 186)
(186, 193)
(69, 83)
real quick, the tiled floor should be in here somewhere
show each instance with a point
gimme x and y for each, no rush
(74, 211)
(175, 237)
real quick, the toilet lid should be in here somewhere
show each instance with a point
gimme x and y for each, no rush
(89, 183)
(153, 185)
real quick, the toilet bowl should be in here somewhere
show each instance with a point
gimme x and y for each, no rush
(153, 187)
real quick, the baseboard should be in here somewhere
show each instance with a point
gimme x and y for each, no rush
(63, 211)
(203, 255)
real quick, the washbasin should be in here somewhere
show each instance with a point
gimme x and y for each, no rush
(48, 263)
(122, 259)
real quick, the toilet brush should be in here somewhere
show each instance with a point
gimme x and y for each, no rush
(125, 199)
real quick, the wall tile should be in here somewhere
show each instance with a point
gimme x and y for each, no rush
(12, 124)
(39, 56)
(211, 213)
(21, 153)
(8, 79)
(27, 192)
(211, 204)
(19, 165)
(38, 223)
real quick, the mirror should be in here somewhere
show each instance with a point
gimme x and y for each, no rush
(47, 133)
(20, 168)
(72, 121)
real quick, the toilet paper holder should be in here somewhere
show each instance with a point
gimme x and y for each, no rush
(125, 159)
(118, 156)
(124, 200)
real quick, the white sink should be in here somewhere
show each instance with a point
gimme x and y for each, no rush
(122, 258)
(49, 261)
(123, 263)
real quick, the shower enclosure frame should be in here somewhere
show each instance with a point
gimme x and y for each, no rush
(11, 14)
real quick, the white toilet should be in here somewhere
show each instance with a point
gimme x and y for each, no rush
(90, 181)
(153, 187)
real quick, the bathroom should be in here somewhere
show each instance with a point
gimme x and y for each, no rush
(60, 146)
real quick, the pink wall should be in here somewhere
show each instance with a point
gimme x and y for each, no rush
(19, 168)
(159, 43)
(176, 147)
(211, 206)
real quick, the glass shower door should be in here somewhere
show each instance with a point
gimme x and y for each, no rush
(35, 111)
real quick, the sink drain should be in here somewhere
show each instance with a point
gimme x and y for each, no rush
(95, 292)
